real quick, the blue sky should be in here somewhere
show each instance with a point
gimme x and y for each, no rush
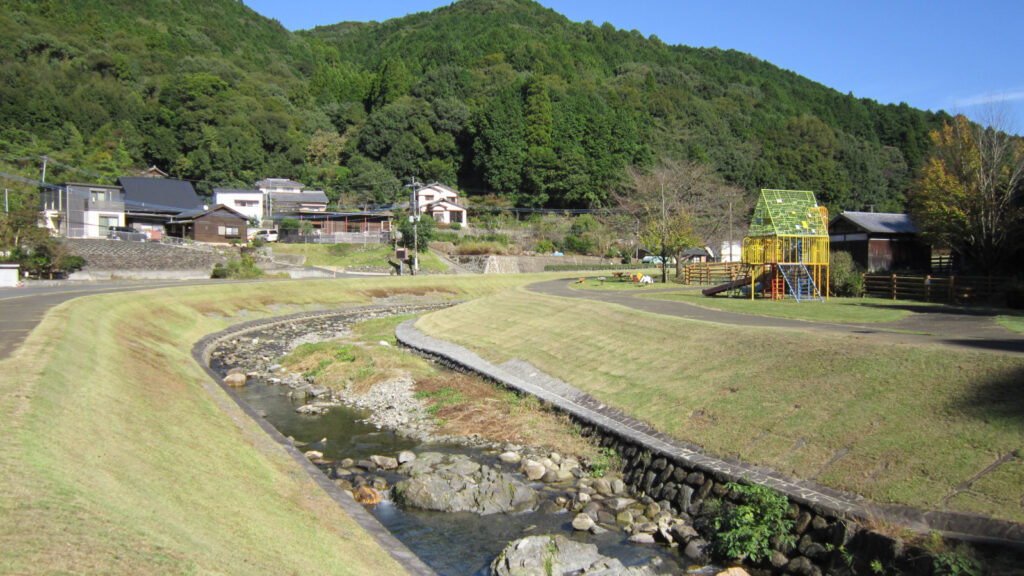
(956, 56)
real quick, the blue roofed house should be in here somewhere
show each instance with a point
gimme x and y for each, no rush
(880, 241)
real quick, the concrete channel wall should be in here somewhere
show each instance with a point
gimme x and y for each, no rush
(829, 537)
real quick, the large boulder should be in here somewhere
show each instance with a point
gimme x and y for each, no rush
(548, 555)
(454, 483)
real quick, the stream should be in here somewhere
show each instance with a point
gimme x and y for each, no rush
(450, 543)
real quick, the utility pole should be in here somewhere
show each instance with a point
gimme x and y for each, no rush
(730, 232)
(414, 219)
(42, 177)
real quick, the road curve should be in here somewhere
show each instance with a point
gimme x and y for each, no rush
(955, 327)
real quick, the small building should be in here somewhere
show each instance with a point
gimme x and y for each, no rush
(247, 202)
(441, 203)
(82, 210)
(349, 227)
(220, 224)
(880, 241)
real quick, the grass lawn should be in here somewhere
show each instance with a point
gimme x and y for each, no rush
(854, 310)
(120, 457)
(896, 423)
(353, 255)
(1013, 322)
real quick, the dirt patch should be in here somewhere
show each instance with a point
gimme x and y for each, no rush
(468, 405)
(406, 291)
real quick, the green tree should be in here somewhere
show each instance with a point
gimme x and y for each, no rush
(969, 195)
(425, 228)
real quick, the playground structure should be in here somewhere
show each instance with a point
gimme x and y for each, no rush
(786, 250)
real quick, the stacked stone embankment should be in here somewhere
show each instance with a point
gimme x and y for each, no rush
(107, 259)
(828, 532)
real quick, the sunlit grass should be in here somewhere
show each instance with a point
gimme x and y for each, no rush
(915, 422)
(120, 457)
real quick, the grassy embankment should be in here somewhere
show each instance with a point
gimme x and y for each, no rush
(119, 457)
(896, 423)
(342, 256)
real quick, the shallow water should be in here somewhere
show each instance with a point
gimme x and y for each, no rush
(450, 543)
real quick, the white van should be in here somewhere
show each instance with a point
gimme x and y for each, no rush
(266, 235)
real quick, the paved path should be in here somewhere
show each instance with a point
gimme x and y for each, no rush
(928, 325)
(21, 309)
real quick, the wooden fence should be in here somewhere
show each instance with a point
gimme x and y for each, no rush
(712, 273)
(949, 289)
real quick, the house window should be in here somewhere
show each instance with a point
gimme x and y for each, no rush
(227, 231)
(97, 195)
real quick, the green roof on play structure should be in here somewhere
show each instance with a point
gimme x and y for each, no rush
(788, 213)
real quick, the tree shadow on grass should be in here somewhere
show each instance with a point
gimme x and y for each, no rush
(975, 311)
(999, 398)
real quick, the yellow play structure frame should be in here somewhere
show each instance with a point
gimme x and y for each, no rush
(787, 247)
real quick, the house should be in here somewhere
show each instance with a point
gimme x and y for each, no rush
(149, 203)
(284, 198)
(880, 241)
(219, 224)
(247, 202)
(284, 204)
(441, 203)
(82, 210)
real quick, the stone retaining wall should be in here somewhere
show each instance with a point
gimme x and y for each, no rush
(828, 536)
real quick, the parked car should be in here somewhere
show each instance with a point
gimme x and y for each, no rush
(126, 233)
(270, 235)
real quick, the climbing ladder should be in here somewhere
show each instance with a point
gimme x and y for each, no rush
(801, 283)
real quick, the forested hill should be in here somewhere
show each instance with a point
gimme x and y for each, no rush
(499, 97)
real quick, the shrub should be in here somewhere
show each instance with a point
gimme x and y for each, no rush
(745, 530)
(456, 226)
(578, 244)
(845, 276)
(545, 246)
(237, 268)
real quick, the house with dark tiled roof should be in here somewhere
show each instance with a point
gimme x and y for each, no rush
(880, 241)
(149, 203)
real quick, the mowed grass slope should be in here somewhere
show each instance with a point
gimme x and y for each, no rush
(898, 424)
(118, 456)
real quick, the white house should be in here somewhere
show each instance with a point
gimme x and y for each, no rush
(441, 203)
(249, 203)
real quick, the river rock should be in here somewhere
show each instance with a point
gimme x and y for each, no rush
(619, 504)
(510, 457)
(546, 555)
(603, 486)
(642, 538)
(384, 462)
(533, 470)
(406, 456)
(236, 380)
(618, 486)
(457, 484)
(734, 571)
(582, 522)
(698, 550)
